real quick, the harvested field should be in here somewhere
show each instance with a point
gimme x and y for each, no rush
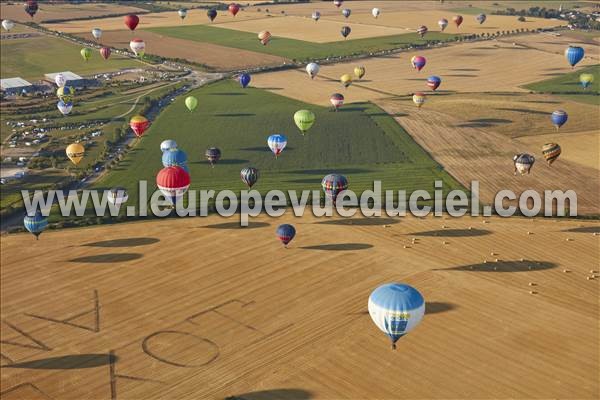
(60, 11)
(129, 312)
(557, 45)
(211, 55)
(470, 153)
(468, 67)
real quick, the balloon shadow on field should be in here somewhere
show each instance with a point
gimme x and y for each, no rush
(584, 229)
(484, 123)
(339, 247)
(437, 307)
(522, 110)
(234, 115)
(330, 171)
(462, 75)
(373, 221)
(264, 149)
(465, 69)
(224, 161)
(236, 225)
(128, 242)
(351, 109)
(75, 361)
(453, 233)
(504, 266)
(227, 94)
(291, 394)
(107, 258)
(271, 88)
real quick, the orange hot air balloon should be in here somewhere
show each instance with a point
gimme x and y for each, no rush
(139, 124)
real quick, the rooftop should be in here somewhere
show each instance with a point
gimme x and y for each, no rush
(11, 83)
(69, 76)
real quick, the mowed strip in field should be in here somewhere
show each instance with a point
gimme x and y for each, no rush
(199, 308)
(468, 67)
(31, 58)
(212, 55)
(16, 12)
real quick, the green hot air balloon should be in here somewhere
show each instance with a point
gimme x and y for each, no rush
(304, 119)
(191, 103)
(86, 53)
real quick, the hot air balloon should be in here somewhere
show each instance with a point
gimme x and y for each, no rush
(345, 31)
(418, 62)
(396, 308)
(7, 24)
(245, 80)
(551, 151)
(523, 163)
(586, 80)
(132, 21)
(419, 99)
(105, 52)
(233, 9)
(64, 108)
(375, 12)
(346, 12)
(457, 19)
(346, 80)
(75, 152)
(65, 94)
(212, 14)
(191, 103)
(60, 80)
(213, 155)
(304, 120)
(312, 69)
(277, 143)
(182, 13)
(337, 3)
(35, 224)
(359, 72)
(422, 30)
(175, 157)
(139, 124)
(285, 233)
(574, 54)
(559, 117)
(31, 7)
(86, 53)
(443, 23)
(264, 37)
(168, 144)
(138, 46)
(249, 176)
(97, 33)
(337, 100)
(316, 15)
(117, 196)
(433, 82)
(333, 184)
(173, 182)
(481, 18)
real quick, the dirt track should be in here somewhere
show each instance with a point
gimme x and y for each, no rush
(214, 56)
(193, 309)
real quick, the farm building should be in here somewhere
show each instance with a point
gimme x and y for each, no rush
(71, 78)
(12, 86)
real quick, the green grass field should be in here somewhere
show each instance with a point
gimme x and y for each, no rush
(568, 85)
(32, 58)
(360, 141)
(295, 49)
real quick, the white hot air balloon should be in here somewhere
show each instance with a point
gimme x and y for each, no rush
(277, 143)
(138, 46)
(97, 33)
(168, 144)
(312, 69)
(316, 15)
(60, 80)
(376, 11)
(7, 24)
(182, 13)
(64, 108)
(117, 196)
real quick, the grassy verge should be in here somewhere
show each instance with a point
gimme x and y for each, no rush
(569, 86)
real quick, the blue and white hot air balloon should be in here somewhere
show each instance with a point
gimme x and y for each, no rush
(396, 308)
(168, 144)
(35, 224)
(174, 158)
(277, 143)
(574, 54)
(559, 118)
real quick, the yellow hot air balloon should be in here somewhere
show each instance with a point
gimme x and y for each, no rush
(586, 80)
(75, 152)
(346, 80)
(359, 72)
(419, 99)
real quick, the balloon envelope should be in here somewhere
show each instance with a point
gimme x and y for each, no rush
(97, 33)
(443, 23)
(574, 54)
(418, 62)
(457, 19)
(191, 103)
(337, 100)
(523, 163)
(65, 93)
(245, 80)
(312, 69)
(105, 52)
(559, 118)
(7, 24)
(31, 7)
(316, 15)
(233, 9)
(168, 144)
(212, 14)
(586, 80)
(174, 157)
(396, 309)
(551, 151)
(433, 82)
(139, 124)
(277, 143)
(60, 80)
(213, 155)
(131, 21)
(375, 12)
(345, 31)
(75, 152)
(36, 223)
(333, 184)
(264, 37)
(117, 196)
(86, 53)
(64, 108)
(359, 72)
(249, 176)
(422, 30)
(346, 80)
(182, 13)
(138, 46)
(304, 120)
(481, 18)
(173, 182)
(285, 233)
(419, 99)
(346, 12)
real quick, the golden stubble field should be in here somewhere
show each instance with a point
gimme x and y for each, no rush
(16, 12)
(199, 308)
